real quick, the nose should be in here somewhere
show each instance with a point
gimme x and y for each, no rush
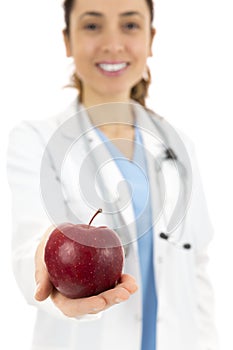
(112, 42)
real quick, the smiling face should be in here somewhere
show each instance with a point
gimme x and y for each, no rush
(109, 41)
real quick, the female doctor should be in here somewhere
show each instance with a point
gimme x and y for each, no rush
(108, 150)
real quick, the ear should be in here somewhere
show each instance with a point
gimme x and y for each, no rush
(153, 33)
(67, 43)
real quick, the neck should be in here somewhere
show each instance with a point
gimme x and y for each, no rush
(108, 110)
(91, 98)
(112, 114)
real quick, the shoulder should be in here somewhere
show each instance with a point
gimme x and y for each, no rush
(171, 129)
(41, 130)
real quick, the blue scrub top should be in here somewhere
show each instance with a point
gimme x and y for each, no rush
(135, 173)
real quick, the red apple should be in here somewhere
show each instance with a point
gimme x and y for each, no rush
(83, 260)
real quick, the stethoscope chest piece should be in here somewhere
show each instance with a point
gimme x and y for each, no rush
(166, 237)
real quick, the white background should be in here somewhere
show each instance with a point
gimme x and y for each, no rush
(192, 87)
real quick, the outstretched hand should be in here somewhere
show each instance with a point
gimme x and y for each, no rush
(82, 306)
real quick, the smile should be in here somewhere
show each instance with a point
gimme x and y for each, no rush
(112, 67)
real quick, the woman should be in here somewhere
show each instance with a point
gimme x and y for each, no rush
(164, 300)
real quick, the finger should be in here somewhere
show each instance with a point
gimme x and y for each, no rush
(43, 289)
(125, 277)
(78, 307)
(115, 296)
(95, 304)
(43, 285)
(129, 283)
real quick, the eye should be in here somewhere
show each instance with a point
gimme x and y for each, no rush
(131, 26)
(91, 26)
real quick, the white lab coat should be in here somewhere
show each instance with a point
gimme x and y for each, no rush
(185, 299)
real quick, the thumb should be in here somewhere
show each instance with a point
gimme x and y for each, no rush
(43, 285)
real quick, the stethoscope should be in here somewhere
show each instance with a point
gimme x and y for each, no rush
(168, 155)
(171, 155)
(167, 132)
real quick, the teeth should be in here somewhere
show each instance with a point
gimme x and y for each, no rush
(112, 67)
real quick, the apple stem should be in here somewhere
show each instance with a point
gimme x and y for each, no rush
(98, 211)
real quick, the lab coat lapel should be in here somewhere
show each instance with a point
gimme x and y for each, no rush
(154, 151)
(112, 185)
(163, 180)
(170, 180)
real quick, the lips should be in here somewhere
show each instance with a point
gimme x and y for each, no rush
(112, 67)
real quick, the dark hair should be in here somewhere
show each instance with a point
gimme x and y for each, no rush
(139, 92)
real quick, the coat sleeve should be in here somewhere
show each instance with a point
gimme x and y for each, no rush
(29, 218)
(203, 232)
(208, 339)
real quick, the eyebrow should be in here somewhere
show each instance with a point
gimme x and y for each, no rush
(99, 14)
(91, 13)
(131, 13)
